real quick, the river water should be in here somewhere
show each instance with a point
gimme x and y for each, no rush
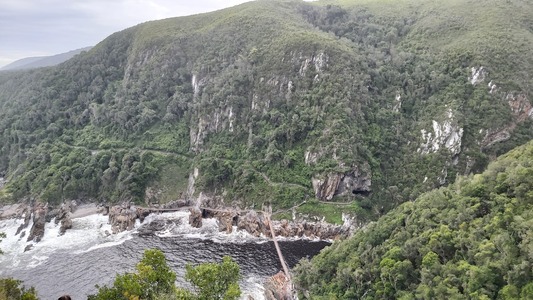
(87, 255)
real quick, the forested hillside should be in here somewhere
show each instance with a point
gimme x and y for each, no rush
(470, 240)
(370, 102)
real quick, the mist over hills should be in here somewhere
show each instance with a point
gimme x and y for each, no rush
(42, 61)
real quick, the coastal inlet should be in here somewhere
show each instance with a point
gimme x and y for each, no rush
(87, 254)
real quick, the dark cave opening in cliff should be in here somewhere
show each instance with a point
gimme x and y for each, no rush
(361, 193)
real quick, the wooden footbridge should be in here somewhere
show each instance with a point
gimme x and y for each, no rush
(267, 212)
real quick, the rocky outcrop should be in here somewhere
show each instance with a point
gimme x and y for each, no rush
(27, 217)
(257, 225)
(278, 287)
(326, 188)
(226, 220)
(176, 204)
(446, 134)
(66, 223)
(153, 227)
(521, 109)
(39, 221)
(14, 211)
(253, 223)
(478, 75)
(354, 182)
(195, 218)
(122, 217)
(63, 215)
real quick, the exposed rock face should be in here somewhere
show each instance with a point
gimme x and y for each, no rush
(121, 218)
(64, 215)
(176, 204)
(253, 223)
(278, 287)
(102, 209)
(52, 213)
(521, 109)
(492, 138)
(195, 218)
(14, 211)
(478, 75)
(221, 119)
(520, 106)
(226, 220)
(337, 184)
(192, 180)
(446, 134)
(27, 217)
(152, 227)
(39, 220)
(257, 225)
(66, 223)
(325, 188)
(142, 213)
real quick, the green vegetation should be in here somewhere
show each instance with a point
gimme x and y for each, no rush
(470, 240)
(350, 83)
(155, 280)
(11, 289)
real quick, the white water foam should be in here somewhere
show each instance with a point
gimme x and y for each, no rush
(179, 227)
(87, 233)
(252, 287)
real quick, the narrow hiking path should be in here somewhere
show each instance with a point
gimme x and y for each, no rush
(142, 151)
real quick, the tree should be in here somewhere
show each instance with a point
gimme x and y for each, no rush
(155, 280)
(153, 277)
(215, 281)
(12, 289)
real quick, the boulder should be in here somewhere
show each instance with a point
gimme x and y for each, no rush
(278, 287)
(104, 210)
(253, 224)
(73, 205)
(27, 218)
(153, 227)
(195, 218)
(226, 220)
(52, 213)
(122, 218)
(66, 223)
(62, 212)
(39, 219)
(176, 204)
(64, 217)
(142, 213)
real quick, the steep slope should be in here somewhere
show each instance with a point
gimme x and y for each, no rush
(42, 61)
(278, 102)
(471, 240)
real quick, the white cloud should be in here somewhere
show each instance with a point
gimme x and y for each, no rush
(47, 27)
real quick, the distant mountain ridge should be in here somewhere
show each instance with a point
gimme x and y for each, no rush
(42, 61)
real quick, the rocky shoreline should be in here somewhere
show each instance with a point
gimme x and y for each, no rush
(124, 217)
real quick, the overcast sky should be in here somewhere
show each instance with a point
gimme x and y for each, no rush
(47, 27)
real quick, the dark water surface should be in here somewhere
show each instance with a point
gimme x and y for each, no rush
(74, 272)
